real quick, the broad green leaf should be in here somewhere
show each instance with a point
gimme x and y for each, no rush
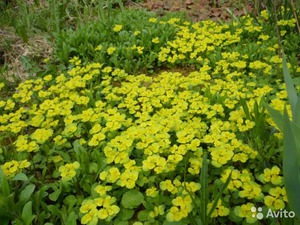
(143, 215)
(276, 116)
(54, 196)
(72, 217)
(173, 223)
(26, 193)
(126, 214)
(4, 184)
(292, 93)
(27, 213)
(132, 199)
(291, 166)
(296, 81)
(21, 177)
(70, 200)
(296, 118)
(121, 222)
(54, 209)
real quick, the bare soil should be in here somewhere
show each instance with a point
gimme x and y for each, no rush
(200, 9)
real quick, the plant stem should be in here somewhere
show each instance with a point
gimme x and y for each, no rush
(295, 15)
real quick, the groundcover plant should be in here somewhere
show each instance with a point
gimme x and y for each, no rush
(98, 145)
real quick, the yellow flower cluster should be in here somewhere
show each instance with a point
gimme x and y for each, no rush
(68, 171)
(276, 198)
(220, 210)
(11, 168)
(182, 206)
(117, 28)
(146, 128)
(102, 208)
(271, 175)
(244, 211)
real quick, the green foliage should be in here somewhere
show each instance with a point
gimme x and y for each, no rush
(131, 199)
(97, 144)
(134, 42)
(291, 144)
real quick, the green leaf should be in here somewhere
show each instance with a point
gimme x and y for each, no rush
(131, 199)
(143, 215)
(121, 222)
(296, 117)
(245, 108)
(204, 189)
(296, 81)
(26, 193)
(54, 196)
(126, 214)
(21, 177)
(70, 200)
(173, 223)
(292, 93)
(4, 184)
(27, 213)
(276, 116)
(291, 171)
(215, 202)
(54, 209)
(72, 217)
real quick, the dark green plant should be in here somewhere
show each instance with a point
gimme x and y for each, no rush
(291, 144)
(83, 41)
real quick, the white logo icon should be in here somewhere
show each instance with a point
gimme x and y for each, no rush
(259, 214)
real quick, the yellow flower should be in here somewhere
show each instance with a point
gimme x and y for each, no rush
(140, 49)
(128, 179)
(68, 171)
(45, 60)
(13, 167)
(1, 85)
(276, 198)
(117, 28)
(48, 77)
(264, 14)
(152, 192)
(69, 129)
(244, 211)
(155, 40)
(55, 159)
(111, 50)
(136, 33)
(41, 135)
(24, 164)
(99, 48)
(96, 139)
(101, 190)
(152, 20)
(271, 175)
(220, 210)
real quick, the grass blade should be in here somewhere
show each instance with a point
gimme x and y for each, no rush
(291, 171)
(219, 195)
(296, 118)
(276, 116)
(292, 93)
(204, 189)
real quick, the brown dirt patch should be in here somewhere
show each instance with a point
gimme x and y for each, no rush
(200, 9)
